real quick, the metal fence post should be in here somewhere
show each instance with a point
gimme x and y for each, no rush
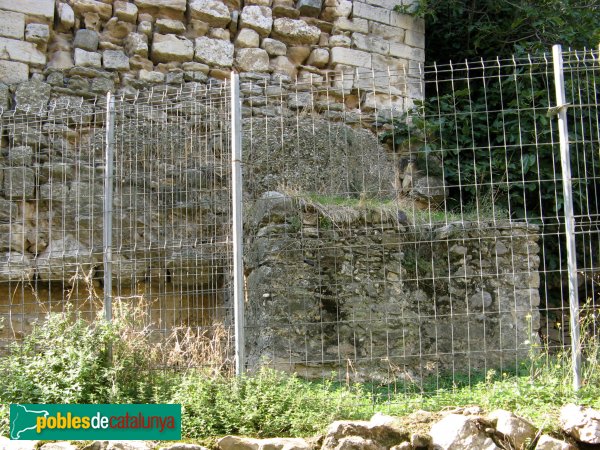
(108, 208)
(561, 105)
(236, 197)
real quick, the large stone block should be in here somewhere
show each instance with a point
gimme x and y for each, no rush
(15, 266)
(19, 183)
(369, 12)
(115, 60)
(213, 12)
(20, 51)
(414, 39)
(354, 25)
(66, 17)
(252, 60)
(37, 33)
(175, 5)
(137, 44)
(406, 52)
(407, 22)
(12, 24)
(247, 38)
(214, 52)
(309, 8)
(87, 59)
(168, 47)
(38, 8)
(370, 44)
(257, 18)
(295, 32)
(83, 7)
(274, 47)
(13, 72)
(169, 26)
(34, 94)
(86, 40)
(350, 57)
(125, 11)
(387, 32)
(63, 259)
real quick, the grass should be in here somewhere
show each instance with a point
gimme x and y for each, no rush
(267, 403)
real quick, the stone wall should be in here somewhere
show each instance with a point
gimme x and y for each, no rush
(367, 296)
(88, 47)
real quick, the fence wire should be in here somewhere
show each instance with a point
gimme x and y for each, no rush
(387, 239)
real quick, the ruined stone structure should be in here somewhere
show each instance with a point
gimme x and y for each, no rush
(317, 78)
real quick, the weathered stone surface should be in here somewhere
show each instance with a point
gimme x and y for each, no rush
(379, 433)
(319, 57)
(145, 27)
(240, 443)
(175, 5)
(295, 32)
(213, 12)
(414, 39)
(87, 59)
(214, 52)
(13, 72)
(309, 8)
(137, 44)
(350, 57)
(86, 40)
(258, 18)
(519, 432)
(151, 77)
(20, 156)
(340, 41)
(38, 33)
(62, 259)
(247, 38)
(58, 446)
(404, 51)
(581, 423)
(33, 94)
(125, 11)
(115, 60)
(8, 210)
(20, 51)
(252, 60)
(219, 33)
(274, 47)
(354, 25)
(167, 48)
(15, 266)
(182, 446)
(336, 9)
(166, 26)
(370, 43)
(458, 432)
(369, 12)
(431, 190)
(82, 7)
(282, 65)
(387, 32)
(546, 442)
(38, 8)
(284, 10)
(12, 24)
(19, 183)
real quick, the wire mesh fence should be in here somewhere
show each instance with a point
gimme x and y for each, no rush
(386, 239)
(171, 213)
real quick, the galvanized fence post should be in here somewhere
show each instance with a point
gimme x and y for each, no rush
(237, 234)
(108, 202)
(561, 106)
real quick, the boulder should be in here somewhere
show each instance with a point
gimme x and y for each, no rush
(213, 12)
(247, 38)
(519, 432)
(309, 8)
(458, 432)
(214, 52)
(379, 433)
(252, 60)
(274, 47)
(546, 442)
(115, 60)
(295, 32)
(581, 423)
(240, 443)
(86, 40)
(168, 47)
(257, 18)
(125, 11)
(319, 57)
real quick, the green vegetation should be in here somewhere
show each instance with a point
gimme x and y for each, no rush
(64, 360)
(467, 29)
